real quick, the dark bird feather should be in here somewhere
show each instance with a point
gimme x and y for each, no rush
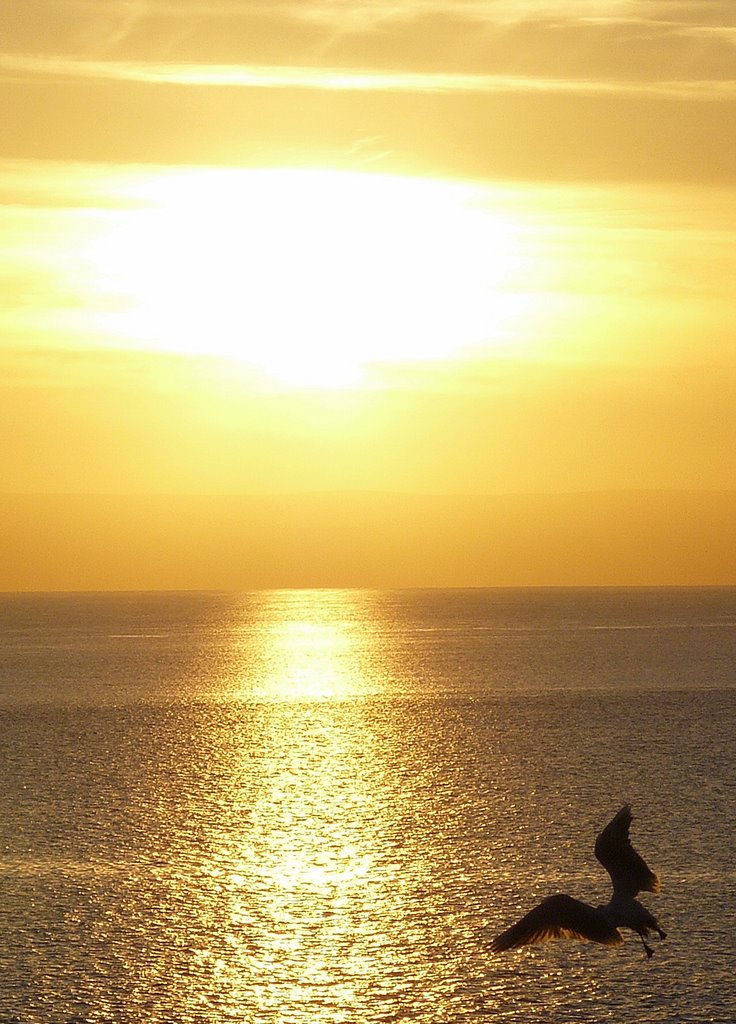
(558, 917)
(628, 870)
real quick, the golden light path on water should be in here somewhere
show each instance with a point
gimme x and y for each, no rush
(309, 647)
(314, 855)
(322, 909)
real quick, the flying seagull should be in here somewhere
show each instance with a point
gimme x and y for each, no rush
(562, 917)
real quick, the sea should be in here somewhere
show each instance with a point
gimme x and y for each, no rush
(321, 805)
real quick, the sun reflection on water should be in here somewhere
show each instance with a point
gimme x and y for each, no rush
(324, 839)
(310, 857)
(308, 647)
(309, 850)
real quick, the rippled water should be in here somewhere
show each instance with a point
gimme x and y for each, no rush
(321, 806)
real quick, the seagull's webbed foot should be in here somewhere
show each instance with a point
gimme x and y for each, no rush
(647, 949)
(662, 935)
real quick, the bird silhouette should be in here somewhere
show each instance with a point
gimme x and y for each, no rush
(561, 916)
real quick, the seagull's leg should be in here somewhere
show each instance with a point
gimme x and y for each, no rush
(662, 935)
(647, 949)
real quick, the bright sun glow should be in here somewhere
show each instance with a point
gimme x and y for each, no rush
(309, 277)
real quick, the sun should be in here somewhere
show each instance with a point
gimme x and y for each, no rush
(309, 277)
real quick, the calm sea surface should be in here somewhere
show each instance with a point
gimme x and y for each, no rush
(320, 806)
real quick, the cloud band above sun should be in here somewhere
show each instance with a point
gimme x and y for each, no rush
(258, 76)
(566, 90)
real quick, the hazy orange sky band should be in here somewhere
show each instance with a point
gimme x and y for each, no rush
(376, 265)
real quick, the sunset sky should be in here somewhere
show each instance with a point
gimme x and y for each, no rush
(321, 247)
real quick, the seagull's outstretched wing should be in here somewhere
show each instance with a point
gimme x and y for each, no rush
(629, 873)
(558, 917)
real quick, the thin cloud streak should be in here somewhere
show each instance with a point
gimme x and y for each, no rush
(358, 16)
(344, 12)
(113, 22)
(350, 80)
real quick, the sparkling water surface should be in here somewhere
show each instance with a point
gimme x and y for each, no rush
(321, 805)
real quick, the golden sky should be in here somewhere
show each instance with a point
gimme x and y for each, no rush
(326, 247)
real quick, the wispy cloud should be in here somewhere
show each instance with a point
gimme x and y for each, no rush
(115, 19)
(347, 13)
(350, 9)
(713, 15)
(352, 80)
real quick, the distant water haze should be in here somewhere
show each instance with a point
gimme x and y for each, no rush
(172, 542)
